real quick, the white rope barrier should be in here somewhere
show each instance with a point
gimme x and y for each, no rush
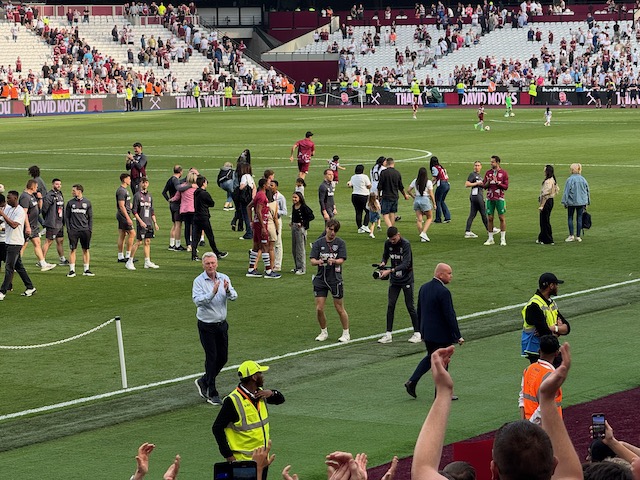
(58, 342)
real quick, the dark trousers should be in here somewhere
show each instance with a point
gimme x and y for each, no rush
(546, 234)
(14, 264)
(425, 364)
(200, 226)
(441, 206)
(477, 206)
(214, 338)
(360, 205)
(187, 218)
(394, 293)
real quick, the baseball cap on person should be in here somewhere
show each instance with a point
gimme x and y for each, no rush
(548, 278)
(248, 368)
(308, 134)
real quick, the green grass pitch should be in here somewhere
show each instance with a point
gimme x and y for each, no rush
(349, 397)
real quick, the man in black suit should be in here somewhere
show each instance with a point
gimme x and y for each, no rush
(438, 322)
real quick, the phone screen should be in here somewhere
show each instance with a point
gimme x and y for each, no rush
(597, 425)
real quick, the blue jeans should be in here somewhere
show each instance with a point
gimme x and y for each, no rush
(579, 209)
(227, 186)
(441, 206)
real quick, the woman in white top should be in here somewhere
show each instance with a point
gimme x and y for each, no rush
(361, 186)
(423, 202)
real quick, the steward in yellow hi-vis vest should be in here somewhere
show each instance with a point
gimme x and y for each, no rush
(541, 317)
(243, 422)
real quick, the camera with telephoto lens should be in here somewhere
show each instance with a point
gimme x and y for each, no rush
(378, 269)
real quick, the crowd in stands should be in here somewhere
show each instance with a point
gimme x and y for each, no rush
(77, 65)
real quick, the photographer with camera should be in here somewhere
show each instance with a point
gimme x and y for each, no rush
(400, 275)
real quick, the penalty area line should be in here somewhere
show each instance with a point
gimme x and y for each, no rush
(171, 381)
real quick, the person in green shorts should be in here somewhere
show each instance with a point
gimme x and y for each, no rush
(496, 182)
(508, 103)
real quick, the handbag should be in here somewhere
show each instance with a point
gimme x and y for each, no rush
(586, 220)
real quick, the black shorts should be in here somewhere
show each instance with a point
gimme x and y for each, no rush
(337, 290)
(122, 223)
(53, 233)
(35, 233)
(83, 236)
(142, 233)
(175, 216)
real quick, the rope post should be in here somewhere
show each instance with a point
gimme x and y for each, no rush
(123, 367)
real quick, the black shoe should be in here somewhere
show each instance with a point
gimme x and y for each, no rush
(196, 259)
(180, 249)
(202, 388)
(222, 254)
(122, 260)
(398, 218)
(233, 227)
(411, 388)
(201, 244)
(171, 247)
(215, 400)
(454, 397)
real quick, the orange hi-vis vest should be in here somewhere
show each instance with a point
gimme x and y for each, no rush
(532, 377)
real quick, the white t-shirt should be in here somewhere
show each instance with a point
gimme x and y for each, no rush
(247, 180)
(15, 236)
(412, 185)
(359, 182)
(375, 176)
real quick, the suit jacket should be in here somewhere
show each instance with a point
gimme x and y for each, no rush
(438, 322)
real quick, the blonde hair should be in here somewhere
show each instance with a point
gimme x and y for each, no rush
(576, 168)
(228, 165)
(192, 177)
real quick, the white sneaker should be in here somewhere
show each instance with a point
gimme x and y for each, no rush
(2, 295)
(578, 239)
(322, 337)
(372, 235)
(503, 243)
(47, 266)
(344, 338)
(360, 230)
(150, 265)
(415, 338)
(470, 235)
(490, 241)
(386, 338)
(188, 248)
(570, 238)
(496, 230)
(129, 265)
(366, 229)
(424, 237)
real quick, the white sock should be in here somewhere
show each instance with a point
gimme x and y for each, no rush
(491, 235)
(72, 267)
(129, 254)
(120, 256)
(147, 260)
(346, 332)
(62, 259)
(502, 235)
(86, 266)
(177, 242)
(323, 330)
(172, 242)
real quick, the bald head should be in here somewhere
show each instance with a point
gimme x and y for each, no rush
(443, 273)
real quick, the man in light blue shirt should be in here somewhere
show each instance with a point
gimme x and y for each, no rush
(211, 290)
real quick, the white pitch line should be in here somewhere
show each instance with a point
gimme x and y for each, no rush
(101, 396)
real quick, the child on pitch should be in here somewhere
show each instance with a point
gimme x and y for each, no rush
(300, 184)
(334, 165)
(373, 205)
(508, 103)
(547, 117)
(480, 123)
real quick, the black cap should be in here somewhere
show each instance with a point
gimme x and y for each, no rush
(308, 134)
(548, 278)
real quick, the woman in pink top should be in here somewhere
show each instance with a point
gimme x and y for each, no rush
(184, 195)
